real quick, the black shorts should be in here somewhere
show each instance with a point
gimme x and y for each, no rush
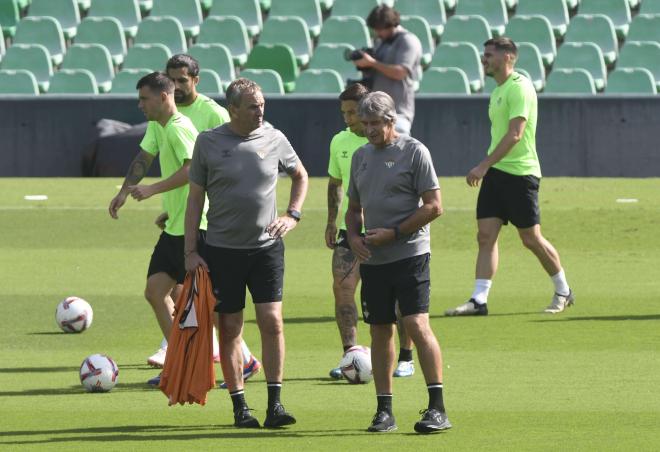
(342, 239)
(406, 281)
(510, 198)
(168, 255)
(261, 270)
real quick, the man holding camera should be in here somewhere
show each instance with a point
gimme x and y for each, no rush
(395, 63)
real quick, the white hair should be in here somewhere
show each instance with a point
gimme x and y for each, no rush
(378, 104)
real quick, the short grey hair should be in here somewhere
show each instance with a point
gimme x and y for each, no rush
(237, 88)
(377, 104)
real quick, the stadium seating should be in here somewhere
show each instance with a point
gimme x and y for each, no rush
(472, 29)
(617, 10)
(189, 13)
(596, 28)
(585, 55)
(9, 17)
(127, 12)
(149, 56)
(631, 81)
(265, 5)
(431, 10)
(65, 11)
(493, 11)
(570, 81)
(227, 30)
(553, 10)
(42, 30)
(350, 30)
(420, 28)
(331, 56)
(319, 81)
(641, 54)
(73, 81)
(462, 55)
(360, 8)
(650, 7)
(446, 80)
(268, 79)
(307, 10)
(83, 5)
(126, 79)
(210, 83)
(529, 59)
(96, 59)
(248, 10)
(32, 57)
(106, 31)
(538, 31)
(206, 5)
(291, 31)
(145, 6)
(163, 30)
(17, 81)
(645, 27)
(215, 57)
(278, 57)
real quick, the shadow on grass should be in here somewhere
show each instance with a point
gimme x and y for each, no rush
(607, 318)
(47, 333)
(490, 314)
(27, 370)
(73, 390)
(302, 320)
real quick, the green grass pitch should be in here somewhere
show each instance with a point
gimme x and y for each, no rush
(587, 379)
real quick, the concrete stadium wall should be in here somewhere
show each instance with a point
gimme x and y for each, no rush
(577, 136)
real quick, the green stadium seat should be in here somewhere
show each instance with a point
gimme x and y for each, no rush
(326, 5)
(319, 81)
(215, 57)
(529, 60)
(641, 54)
(650, 7)
(493, 11)
(584, 55)
(83, 5)
(145, 6)
(164, 30)
(106, 31)
(360, 8)
(645, 27)
(490, 84)
(472, 29)
(570, 81)
(23, 4)
(189, 13)
(96, 59)
(331, 56)
(349, 30)
(537, 30)
(617, 10)
(307, 10)
(127, 12)
(450, 5)
(248, 10)
(32, 57)
(572, 4)
(210, 83)
(291, 31)
(150, 56)
(445, 80)
(206, 5)
(264, 5)
(418, 26)
(126, 79)
(2, 45)
(9, 17)
(227, 30)
(268, 79)
(633, 3)
(553, 10)
(462, 55)
(278, 57)
(631, 81)
(73, 81)
(42, 30)
(431, 10)
(65, 11)
(596, 28)
(17, 81)
(510, 4)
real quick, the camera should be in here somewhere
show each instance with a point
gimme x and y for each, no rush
(367, 74)
(354, 55)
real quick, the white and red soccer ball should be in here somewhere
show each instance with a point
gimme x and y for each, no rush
(74, 315)
(99, 373)
(355, 365)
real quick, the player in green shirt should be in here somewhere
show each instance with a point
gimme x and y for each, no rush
(511, 175)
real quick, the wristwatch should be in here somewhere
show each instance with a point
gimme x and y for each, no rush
(294, 214)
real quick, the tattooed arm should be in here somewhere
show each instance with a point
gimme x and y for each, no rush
(334, 201)
(136, 172)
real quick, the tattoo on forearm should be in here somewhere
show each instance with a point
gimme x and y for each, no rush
(334, 199)
(136, 171)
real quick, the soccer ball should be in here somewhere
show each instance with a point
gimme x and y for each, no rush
(355, 365)
(98, 373)
(73, 315)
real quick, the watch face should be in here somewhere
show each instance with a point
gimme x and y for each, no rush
(294, 214)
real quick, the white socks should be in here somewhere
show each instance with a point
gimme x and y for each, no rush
(481, 289)
(561, 285)
(163, 344)
(216, 348)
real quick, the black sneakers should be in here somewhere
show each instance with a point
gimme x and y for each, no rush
(432, 421)
(244, 419)
(382, 422)
(278, 417)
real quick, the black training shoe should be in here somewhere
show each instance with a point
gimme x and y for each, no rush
(277, 416)
(382, 422)
(470, 307)
(432, 421)
(244, 419)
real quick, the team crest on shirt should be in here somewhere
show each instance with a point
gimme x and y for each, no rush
(344, 154)
(499, 101)
(389, 163)
(226, 153)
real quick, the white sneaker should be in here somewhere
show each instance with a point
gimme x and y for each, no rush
(158, 358)
(560, 302)
(405, 369)
(470, 307)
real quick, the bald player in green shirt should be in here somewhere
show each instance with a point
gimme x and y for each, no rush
(511, 174)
